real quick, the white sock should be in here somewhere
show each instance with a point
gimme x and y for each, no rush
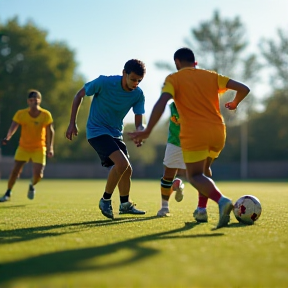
(165, 203)
(201, 209)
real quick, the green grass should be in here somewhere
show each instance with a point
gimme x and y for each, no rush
(60, 239)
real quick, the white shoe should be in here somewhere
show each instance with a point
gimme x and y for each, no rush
(200, 215)
(163, 212)
(225, 207)
(178, 187)
(4, 198)
(31, 192)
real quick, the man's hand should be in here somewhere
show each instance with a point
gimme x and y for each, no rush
(4, 141)
(50, 153)
(138, 136)
(72, 130)
(231, 105)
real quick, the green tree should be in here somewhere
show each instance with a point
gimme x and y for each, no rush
(28, 60)
(220, 45)
(275, 52)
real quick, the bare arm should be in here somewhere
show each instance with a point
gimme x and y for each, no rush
(139, 127)
(13, 128)
(156, 114)
(241, 92)
(72, 129)
(50, 140)
(139, 122)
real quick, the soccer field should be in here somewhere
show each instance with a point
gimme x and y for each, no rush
(61, 239)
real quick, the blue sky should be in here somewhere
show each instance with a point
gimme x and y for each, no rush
(106, 33)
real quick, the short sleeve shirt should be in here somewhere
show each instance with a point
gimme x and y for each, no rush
(110, 104)
(196, 94)
(33, 130)
(174, 126)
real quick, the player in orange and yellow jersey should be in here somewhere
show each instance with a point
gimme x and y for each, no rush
(37, 137)
(202, 129)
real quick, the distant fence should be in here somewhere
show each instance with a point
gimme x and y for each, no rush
(221, 171)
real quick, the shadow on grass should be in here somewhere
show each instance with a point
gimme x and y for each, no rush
(88, 259)
(27, 234)
(13, 206)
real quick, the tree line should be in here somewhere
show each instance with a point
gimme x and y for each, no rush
(28, 60)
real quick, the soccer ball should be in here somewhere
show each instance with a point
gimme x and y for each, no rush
(247, 209)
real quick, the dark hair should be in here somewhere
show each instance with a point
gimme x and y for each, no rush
(136, 66)
(34, 94)
(184, 54)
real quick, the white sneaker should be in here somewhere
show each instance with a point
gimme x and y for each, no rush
(178, 187)
(163, 212)
(225, 207)
(31, 192)
(200, 215)
(4, 198)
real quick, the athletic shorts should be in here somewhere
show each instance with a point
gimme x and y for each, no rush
(105, 145)
(173, 157)
(205, 140)
(38, 156)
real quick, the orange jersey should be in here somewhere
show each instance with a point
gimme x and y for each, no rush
(196, 95)
(33, 130)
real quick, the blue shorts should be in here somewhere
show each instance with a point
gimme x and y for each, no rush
(105, 145)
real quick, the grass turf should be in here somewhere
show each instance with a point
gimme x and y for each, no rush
(61, 239)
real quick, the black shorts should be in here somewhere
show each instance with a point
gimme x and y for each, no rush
(105, 145)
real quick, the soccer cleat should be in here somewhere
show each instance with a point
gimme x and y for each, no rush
(163, 212)
(129, 208)
(200, 215)
(225, 207)
(178, 186)
(4, 198)
(106, 208)
(31, 192)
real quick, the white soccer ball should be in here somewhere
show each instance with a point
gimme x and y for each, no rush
(247, 209)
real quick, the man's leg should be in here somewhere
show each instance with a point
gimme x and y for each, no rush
(166, 190)
(200, 214)
(38, 172)
(126, 204)
(121, 164)
(15, 173)
(207, 187)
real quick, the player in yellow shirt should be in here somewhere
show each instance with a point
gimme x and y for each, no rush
(37, 137)
(202, 129)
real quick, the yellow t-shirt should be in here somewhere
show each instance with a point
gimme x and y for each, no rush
(196, 94)
(33, 130)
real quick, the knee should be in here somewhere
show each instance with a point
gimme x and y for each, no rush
(129, 170)
(16, 172)
(123, 167)
(193, 179)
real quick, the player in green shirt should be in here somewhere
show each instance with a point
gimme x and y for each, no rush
(173, 165)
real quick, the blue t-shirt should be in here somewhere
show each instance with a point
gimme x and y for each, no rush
(110, 104)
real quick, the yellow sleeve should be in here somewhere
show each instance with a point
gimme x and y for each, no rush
(49, 117)
(222, 82)
(16, 117)
(168, 87)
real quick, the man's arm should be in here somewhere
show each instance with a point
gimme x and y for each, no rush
(156, 114)
(241, 92)
(139, 127)
(72, 128)
(50, 132)
(13, 128)
(139, 122)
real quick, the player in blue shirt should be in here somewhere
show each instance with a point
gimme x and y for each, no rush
(113, 97)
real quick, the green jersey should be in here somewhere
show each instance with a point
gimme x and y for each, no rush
(174, 126)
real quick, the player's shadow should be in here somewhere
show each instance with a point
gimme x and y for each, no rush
(12, 206)
(104, 257)
(33, 233)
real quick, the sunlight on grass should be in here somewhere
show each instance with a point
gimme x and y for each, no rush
(61, 239)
